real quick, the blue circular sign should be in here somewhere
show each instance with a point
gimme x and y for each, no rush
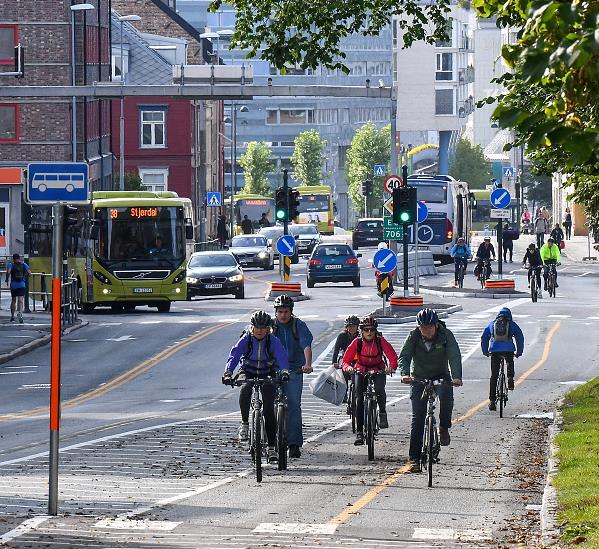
(286, 245)
(385, 261)
(422, 211)
(500, 198)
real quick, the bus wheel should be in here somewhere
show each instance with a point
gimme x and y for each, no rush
(116, 307)
(164, 307)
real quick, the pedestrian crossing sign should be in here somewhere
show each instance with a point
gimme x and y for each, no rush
(508, 172)
(214, 199)
(379, 170)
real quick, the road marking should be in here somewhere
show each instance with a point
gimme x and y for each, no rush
(169, 400)
(35, 386)
(24, 528)
(124, 524)
(294, 528)
(121, 338)
(537, 415)
(461, 534)
(583, 274)
(20, 372)
(559, 316)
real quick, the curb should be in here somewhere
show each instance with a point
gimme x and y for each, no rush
(32, 345)
(550, 531)
(406, 319)
(476, 294)
(302, 297)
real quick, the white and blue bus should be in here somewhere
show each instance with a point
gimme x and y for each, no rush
(449, 213)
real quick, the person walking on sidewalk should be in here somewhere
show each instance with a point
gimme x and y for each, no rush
(568, 224)
(540, 229)
(17, 271)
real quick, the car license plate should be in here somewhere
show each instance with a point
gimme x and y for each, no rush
(332, 266)
(212, 286)
(372, 238)
(142, 290)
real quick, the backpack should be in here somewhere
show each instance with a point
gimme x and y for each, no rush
(378, 345)
(294, 331)
(501, 329)
(17, 272)
(250, 346)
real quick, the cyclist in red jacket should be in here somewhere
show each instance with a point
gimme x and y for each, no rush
(367, 353)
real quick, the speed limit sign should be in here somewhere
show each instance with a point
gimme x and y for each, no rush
(392, 182)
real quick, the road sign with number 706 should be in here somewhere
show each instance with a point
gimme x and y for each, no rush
(392, 231)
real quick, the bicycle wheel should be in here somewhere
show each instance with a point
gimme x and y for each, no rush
(483, 277)
(461, 277)
(257, 446)
(533, 289)
(351, 406)
(370, 422)
(501, 388)
(430, 457)
(282, 436)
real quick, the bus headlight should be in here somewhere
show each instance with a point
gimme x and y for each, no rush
(177, 290)
(236, 278)
(180, 277)
(102, 278)
(106, 291)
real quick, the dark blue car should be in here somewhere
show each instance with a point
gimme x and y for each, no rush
(333, 263)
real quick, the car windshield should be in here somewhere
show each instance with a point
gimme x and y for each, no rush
(248, 241)
(214, 260)
(303, 229)
(375, 224)
(271, 232)
(332, 251)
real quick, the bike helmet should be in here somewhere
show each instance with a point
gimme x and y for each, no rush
(382, 246)
(426, 317)
(352, 320)
(261, 319)
(531, 246)
(487, 238)
(550, 240)
(369, 322)
(283, 301)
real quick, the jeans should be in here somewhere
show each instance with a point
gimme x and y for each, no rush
(460, 261)
(537, 271)
(495, 363)
(268, 408)
(540, 239)
(293, 390)
(419, 407)
(360, 386)
(508, 246)
(568, 227)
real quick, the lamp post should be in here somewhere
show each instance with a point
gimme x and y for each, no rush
(75, 8)
(122, 19)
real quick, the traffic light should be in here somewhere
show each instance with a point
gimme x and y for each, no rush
(404, 205)
(69, 218)
(367, 187)
(294, 203)
(280, 205)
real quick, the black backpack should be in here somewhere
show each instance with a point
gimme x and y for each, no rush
(378, 345)
(250, 345)
(17, 272)
(501, 329)
(294, 331)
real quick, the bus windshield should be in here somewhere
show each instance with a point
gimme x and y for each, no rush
(314, 203)
(432, 194)
(135, 233)
(254, 208)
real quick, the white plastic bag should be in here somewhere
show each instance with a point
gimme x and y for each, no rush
(329, 385)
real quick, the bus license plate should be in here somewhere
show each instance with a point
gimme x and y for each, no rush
(142, 290)
(213, 286)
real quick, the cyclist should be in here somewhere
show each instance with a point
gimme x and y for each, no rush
(17, 271)
(461, 254)
(498, 339)
(485, 251)
(430, 351)
(557, 234)
(297, 339)
(533, 257)
(370, 352)
(550, 255)
(259, 354)
(349, 333)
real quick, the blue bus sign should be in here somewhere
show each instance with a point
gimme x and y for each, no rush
(53, 182)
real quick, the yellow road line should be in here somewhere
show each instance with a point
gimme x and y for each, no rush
(120, 380)
(354, 508)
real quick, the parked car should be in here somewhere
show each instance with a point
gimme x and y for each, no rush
(272, 235)
(214, 273)
(368, 232)
(306, 237)
(333, 263)
(252, 250)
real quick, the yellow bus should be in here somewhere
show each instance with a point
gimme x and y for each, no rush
(316, 206)
(253, 205)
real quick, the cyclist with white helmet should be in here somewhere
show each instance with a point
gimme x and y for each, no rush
(430, 352)
(349, 333)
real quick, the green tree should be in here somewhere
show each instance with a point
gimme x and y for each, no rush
(256, 162)
(469, 164)
(308, 158)
(369, 146)
(537, 188)
(132, 182)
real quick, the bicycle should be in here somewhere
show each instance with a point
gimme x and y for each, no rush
(461, 273)
(484, 273)
(351, 403)
(371, 413)
(281, 407)
(501, 390)
(552, 279)
(534, 289)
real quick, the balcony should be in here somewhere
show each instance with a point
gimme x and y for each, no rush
(466, 76)
(466, 107)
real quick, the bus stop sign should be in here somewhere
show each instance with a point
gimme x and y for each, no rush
(54, 183)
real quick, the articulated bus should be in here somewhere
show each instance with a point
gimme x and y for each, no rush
(449, 213)
(252, 205)
(316, 206)
(127, 248)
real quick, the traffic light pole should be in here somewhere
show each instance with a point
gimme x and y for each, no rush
(406, 291)
(286, 189)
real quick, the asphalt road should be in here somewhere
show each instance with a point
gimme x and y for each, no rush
(149, 456)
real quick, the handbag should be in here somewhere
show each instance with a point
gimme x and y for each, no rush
(562, 245)
(329, 385)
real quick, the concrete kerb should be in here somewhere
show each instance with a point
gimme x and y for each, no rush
(475, 294)
(550, 530)
(406, 319)
(32, 345)
(270, 296)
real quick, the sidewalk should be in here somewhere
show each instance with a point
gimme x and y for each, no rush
(578, 247)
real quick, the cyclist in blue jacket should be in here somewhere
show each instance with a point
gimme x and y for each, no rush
(461, 254)
(259, 354)
(498, 339)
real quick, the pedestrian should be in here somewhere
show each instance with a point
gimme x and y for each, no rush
(263, 221)
(297, 340)
(17, 271)
(246, 225)
(547, 216)
(568, 224)
(221, 230)
(540, 229)
(558, 235)
(508, 242)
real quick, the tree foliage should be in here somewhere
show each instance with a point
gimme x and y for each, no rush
(308, 158)
(132, 182)
(256, 163)
(369, 146)
(469, 164)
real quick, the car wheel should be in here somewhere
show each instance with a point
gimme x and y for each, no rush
(164, 307)
(356, 282)
(310, 283)
(240, 294)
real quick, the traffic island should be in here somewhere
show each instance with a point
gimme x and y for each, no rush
(487, 292)
(292, 289)
(405, 314)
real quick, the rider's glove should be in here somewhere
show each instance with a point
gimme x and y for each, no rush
(227, 378)
(284, 376)
(487, 354)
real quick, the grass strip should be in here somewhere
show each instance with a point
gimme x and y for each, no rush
(577, 482)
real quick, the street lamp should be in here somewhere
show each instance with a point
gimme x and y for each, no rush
(233, 121)
(122, 19)
(75, 8)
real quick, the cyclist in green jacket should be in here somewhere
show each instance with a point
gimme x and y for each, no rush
(550, 254)
(430, 351)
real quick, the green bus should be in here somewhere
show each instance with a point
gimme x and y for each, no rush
(316, 206)
(126, 248)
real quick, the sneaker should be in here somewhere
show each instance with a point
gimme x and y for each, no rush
(20, 318)
(294, 451)
(359, 439)
(510, 383)
(492, 406)
(12, 318)
(272, 455)
(244, 432)
(444, 437)
(414, 466)
(383, 423)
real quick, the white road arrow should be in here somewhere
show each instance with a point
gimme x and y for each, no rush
(500, 198)
(289, 246)
(122, 338)
(382, 262)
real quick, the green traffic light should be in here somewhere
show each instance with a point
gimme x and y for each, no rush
(280, 214)
(404, 216)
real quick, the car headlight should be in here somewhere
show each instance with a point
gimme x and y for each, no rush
(236, 278)
(191, 280)
(262, 255)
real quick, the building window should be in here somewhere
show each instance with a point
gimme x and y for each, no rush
(8, 41)
(444, 101)
(290, 116)
(446, 43)
(153, 128)
(444, 66)
(9, 116)
(154, 179)
(116, 63)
